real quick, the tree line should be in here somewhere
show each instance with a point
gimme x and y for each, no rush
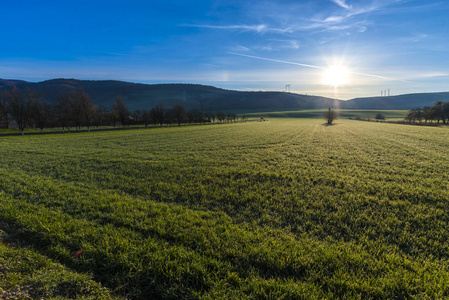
(437, 112)
(75, 109)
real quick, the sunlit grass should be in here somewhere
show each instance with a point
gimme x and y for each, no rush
(342, 113)
(288, 208)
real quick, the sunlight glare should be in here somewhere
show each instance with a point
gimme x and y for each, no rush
(336, 75)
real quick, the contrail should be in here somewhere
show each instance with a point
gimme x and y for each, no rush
(280, 61)
(314, 67)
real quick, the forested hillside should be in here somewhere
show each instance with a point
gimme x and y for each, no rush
(142, 96)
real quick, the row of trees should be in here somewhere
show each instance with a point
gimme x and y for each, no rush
(437, 112)
(75, 109)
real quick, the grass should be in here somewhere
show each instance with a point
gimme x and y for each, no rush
(26, 274)
(342, 113)
(288, 208)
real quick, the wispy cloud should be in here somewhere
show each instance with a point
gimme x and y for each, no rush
(240, 48)
(424, 75)
(416, 38)
(257, 28)
(288, 21)
(346, 20)
(342, 3)
(112, 53)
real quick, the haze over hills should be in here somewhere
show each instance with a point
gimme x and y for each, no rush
(145, 96)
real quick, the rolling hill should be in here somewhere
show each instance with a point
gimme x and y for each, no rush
(407, 101)
(141, 96)
(145, 96)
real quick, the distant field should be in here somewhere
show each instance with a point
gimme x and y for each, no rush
(342, 113)
(289, 208)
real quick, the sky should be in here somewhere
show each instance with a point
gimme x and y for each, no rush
(380, 46)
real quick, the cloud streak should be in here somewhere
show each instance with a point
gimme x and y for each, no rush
(279, 61)
(317, 67)
(342, 3)
(342, 21)
(257, 28)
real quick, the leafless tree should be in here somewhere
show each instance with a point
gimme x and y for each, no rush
(146, 117)
(179, 114)
(4, 110)
(63, 110)
(330, 116)
(122, 110)
(90, 111)
(101, 115)
(18, 107)
(83, 111)
(437, 111)
(221, 116)
(113, 117)
(427, 113)
(158, 114)
(40, 111)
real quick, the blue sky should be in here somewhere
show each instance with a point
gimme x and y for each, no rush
(401, 45)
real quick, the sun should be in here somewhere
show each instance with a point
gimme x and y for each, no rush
(336, 75)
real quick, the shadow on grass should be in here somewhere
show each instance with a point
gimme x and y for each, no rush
(99, 129)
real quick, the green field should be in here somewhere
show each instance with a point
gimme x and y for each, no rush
(285, 209)
(342, 113)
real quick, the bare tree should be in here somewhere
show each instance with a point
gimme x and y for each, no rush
(136, 116)
(113, 117)
(101, 115)
(4, 110)
(76, 109)
(122, 110)
(169, 116)
(228, 117)
(410, 116)
(179, 114)
(445, 112)
(427, 113)
(83, 111)
(437, 111)
(18, 107)
(89, 110)
(221, 116)
(146, 117)
(330, 116)
(380, 116)
(212, 116)
(63, 111)
(208, 117)
(40, 111)
(158, 114)
(195, 116)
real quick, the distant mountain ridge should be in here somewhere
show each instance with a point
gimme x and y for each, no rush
(145, 96)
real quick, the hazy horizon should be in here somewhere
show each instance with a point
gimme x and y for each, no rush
(241, 90)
